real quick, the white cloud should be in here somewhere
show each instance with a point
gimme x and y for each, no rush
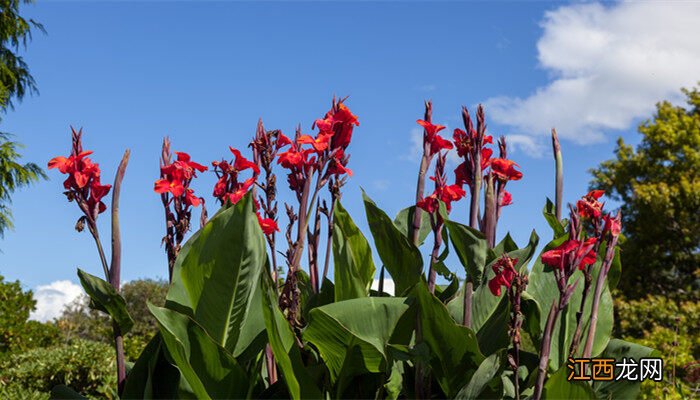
(526, 145)
(388, 286)
(52, 298)
(609, 65)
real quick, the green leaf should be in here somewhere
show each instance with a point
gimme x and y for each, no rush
(208, 368)
(550, 215)
(404, 222)
(471, 248)
(454, 351)
(622, 389)
(558, 387)
(63, 392)
(506, 245)
(216, 273)
(356, 330)
(152, 376)
(484, 303)
(401, 258)
(394, 384)
(107, 299)
(283, 343)
(493, 334)
(489, 371)
(542, 287)
(352, 256)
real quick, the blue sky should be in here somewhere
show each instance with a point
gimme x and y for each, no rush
(203, 73)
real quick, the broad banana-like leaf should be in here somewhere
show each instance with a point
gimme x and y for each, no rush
(153, 377)
(622, 389)
(106, 299)
(210, 369)
(454, 351)
(355, 330)
(352, 257)
(471, 248)
(558, 387)
(283, 343)
(486, 381)
(216, 273)
(484, 303)
(401, 258)
(404, 222)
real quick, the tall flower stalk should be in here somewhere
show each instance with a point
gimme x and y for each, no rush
(470, 144)
(178, 199)
(515, 284)
(83, 186)
(564, 260)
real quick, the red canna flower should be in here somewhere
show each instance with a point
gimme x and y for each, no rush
(430, 203)
(570, 251)
(612, 225)
(431, 136)
(268, 225)
(463, 142)
(283, 140)
(241, 163)
(83, 182)
(291, 159)
(506, 199)
(319, 143)
(505, 273)
(504, 170)
(589, 206)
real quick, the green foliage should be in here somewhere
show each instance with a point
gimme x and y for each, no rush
(85, 366)
(79, 321)
(15, 32)
(17, 333)
(354, 268)
(658, 185)
(668, 325)
(106, 299)
(13, 176)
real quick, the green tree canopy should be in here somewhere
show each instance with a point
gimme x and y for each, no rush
(15, 32)
(15, 82)
(658, 185)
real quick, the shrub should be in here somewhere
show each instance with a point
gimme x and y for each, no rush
(86, 366)
(668, 326)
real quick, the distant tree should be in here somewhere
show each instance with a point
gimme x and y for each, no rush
(658, 185)
(15, 33)
(17, 333)
(78, 321)
(15, 82)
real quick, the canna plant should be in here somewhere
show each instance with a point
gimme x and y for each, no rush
(247, 317)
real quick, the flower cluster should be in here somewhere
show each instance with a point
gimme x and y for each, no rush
(589, 206)
(505, 272)
(83, 183)
(431, 139)
(175, 178)
(578, 253)
(228, 188)
(443, 192)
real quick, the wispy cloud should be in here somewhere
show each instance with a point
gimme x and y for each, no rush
(51, 299)
(609, 65)
(526, 145)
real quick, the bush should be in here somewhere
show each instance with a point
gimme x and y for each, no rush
(79, 321)
(87, 367)
(669, 327)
